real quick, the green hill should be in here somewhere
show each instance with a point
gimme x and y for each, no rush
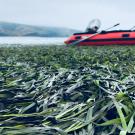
(14, 29)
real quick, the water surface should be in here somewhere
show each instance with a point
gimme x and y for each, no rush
(31, 41)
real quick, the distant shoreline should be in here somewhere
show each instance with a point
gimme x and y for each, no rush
(14, 29)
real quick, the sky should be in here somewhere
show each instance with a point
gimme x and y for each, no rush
(69, 13)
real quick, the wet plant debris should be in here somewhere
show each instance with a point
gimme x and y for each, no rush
(61, 90)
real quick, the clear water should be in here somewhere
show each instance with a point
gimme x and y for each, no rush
(31, 41)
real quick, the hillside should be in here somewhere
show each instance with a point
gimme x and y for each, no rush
(14, 29)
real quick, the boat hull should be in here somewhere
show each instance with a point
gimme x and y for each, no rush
(104, 38)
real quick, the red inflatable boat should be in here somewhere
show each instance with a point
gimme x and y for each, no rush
(117, 37)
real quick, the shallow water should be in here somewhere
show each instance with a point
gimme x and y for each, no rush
(32, 41)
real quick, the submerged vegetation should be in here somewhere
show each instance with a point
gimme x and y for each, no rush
(67, 91)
